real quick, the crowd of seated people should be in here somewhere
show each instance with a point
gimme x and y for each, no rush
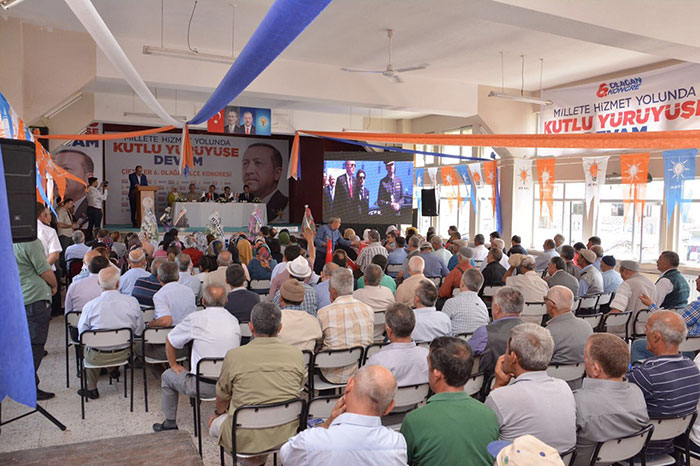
(432, 323)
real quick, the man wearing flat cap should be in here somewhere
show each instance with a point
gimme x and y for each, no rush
(633, 286)
(299, 270)
(390, 194)
(299, 328)
(590, 280)
(611, 279)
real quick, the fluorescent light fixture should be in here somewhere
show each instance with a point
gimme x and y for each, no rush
(521, 98)
(63, 105)
(152, 115)
(175, 53)
(7, 4)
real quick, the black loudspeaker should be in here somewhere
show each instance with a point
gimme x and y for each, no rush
(428, 203)
(19, 161)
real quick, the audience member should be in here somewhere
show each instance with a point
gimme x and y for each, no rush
(494, 272)
(590, 281)
(260, 267)
(455, 246)
(83, 291)
(607, 407)
(109, 311)
(192, 251)
(378, 297)
(353, 434)
(345, 323)
(398, 254)
(467, 311)
(453, 428)
(118, 247)
(559, 240)
(568, 331)
(542, 261)
(300, 270)
(440, 252)
(669, 381)
(529, 282)
(611, 279)
(599, 252)
(184, 264)
(323, 292)
(290, 254)
(480, 251)
(593, 241)
(299, 328)
(406, 361)
(207, 265)
(145, 288)
(413, 249)
(569, 254)
(490, 340)
(263, 371)
(137, 269)
(499, 244)
(223, 260)
(212, 332)
(372, 249)
(430, 323)
(627, 295)
(38, 283)
(516, 247)
(387, 281)
(454, 278)
(240, 300)
(77, 250)
(406, 291)
(536, 403)
(147, 246)
(672, 289)
(433, 267)
(173, 301)
(557, 275)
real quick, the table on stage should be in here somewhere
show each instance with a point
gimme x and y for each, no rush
(233, 214)
(174, 448)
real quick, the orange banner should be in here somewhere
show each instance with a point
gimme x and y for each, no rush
(491, 177)
(545, 177)
(635, 169)
(450, 178)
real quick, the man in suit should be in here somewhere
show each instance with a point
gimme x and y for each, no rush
(345, 192)
(248, 126)
(135, 179)
(210, 195)
(232, 125)
(328, 197)
(390, 195)
(262, 170)
(362, 195)
(246, 195)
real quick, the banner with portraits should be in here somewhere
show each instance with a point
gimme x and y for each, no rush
(241, 120)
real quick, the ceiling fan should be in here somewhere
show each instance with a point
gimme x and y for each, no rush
(390, 72)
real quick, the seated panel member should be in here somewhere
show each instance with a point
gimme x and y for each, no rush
(246, 195)
(210, 195)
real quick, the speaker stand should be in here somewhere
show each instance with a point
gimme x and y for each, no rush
(39, 410)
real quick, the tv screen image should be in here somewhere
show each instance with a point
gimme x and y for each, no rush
(365, 188)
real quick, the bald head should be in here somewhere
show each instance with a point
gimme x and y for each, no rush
(137, 258)
(416, 264)
(371, 391)
(665, 331)
(108, 278)
(561, 299)
(214, 296)
(224, 259)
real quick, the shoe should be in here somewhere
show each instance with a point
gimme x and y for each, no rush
(46, 353)
(92, 394)
(160, 427)
(114, 373)
(41, 395)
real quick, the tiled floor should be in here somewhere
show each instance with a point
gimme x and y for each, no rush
(107, 417)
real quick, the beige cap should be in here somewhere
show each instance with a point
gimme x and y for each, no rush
(515, 259)
(630, 265)
(589, 255)
(292, 290)
(525, 451)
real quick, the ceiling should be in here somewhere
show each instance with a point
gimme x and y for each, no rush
(459, 39)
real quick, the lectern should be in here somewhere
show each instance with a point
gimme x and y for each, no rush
(145, 197)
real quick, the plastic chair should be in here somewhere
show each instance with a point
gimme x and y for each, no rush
(406, 399)
(456, 291)
(534, 313)
(588, 303)
(371, 350)
(153, 336)
(617, 319)
(568, 456)
(668, 429)
(393, 270)
(567, 372)
(72, 319)
(690, 345)
(261, 287)
(321, 407)
(490, 291)
(149, 315)
(264, 416)
(106, 339)
(623, 448)
(436, 280)
(208, 370)
(603, 300)
(333, 359)
(474, 384)
(379, 323)
(639, 329)
(593, 320)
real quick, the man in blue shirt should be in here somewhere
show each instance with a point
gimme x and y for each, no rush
(398, 254)
(323, 234)
(611, 279)
(434, 266)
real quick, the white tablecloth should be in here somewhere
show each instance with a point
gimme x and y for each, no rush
(233, 214)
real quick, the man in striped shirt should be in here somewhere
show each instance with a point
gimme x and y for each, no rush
(669, 381)
(372, 249)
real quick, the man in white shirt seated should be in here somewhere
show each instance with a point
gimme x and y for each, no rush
(480, 251)
(354, 433)
(184, 264)
(299, 328)
(528, 282)
(467, 311)
(213, 332)
(430, 323)
(77, 250)
(534, 403)
(137, 269)
(111, 310)
(83, 291)
(406, 361)
(378, 297)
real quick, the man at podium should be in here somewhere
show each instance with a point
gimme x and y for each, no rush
(135, 179)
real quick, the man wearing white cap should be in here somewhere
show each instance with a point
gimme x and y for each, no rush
(299, 269)
(633, 286)
(590, 281)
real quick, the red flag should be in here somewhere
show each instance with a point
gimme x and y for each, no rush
(215, 124)
(329, 252)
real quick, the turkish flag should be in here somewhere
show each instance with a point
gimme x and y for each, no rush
(215, 124)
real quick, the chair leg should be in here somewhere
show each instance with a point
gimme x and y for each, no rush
(131, 373)
(83, 389)
(125, 369)
(67, 361)
(145, 386)
(221, 456)
(198, 410)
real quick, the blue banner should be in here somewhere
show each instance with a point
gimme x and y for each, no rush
(420, 173)
(16, 362)
(679, 165)
(285, 20)
(464, 173)
(499, 218)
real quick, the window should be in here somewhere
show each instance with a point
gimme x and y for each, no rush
(688, 241)
(567, 214)
(627, 232)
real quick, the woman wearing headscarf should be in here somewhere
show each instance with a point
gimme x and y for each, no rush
(261, 267)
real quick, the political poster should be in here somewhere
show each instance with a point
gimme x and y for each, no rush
(241, 120)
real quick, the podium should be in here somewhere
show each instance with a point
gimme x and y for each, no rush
(145, 197)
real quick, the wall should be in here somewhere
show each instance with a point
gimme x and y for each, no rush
(12, 62)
